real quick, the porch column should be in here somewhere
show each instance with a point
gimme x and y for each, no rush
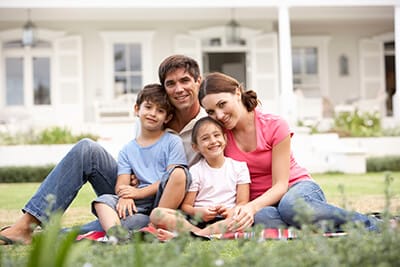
(396, 97)
(286, 97)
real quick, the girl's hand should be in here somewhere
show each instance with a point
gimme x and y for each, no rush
(125, 204)
(242, 218)
(223, 211)
(206, 213)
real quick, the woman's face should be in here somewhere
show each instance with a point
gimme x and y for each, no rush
(224, 107)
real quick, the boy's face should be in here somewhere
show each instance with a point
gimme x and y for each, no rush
(182, 89)
(211, 141)
(152, 116)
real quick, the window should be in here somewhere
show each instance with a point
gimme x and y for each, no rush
(305, 61)
(27, 74)
(127, 68)
(128, 62)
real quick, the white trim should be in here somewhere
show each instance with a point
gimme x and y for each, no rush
(145, 38)
(188, 3)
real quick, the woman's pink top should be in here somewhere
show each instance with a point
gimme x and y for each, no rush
(271, 129)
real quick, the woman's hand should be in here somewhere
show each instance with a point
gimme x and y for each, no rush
(242, 218)
(125, 204)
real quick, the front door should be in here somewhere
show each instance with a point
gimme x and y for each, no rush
(230, 63)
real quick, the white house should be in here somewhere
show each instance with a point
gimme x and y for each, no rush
(305, 59)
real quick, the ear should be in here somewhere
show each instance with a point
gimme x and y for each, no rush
(168, 118)
(194, 146)
(136, 110)
(238, 92)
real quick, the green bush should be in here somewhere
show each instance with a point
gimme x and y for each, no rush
(357, 124)
(52, 135)
(387, 163)
(24, 174)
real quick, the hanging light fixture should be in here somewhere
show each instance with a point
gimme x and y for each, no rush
(233, 30)
(29, 32)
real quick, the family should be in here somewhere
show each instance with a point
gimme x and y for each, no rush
(205, 150)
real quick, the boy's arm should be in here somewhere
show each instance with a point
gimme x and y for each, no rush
(128, 191)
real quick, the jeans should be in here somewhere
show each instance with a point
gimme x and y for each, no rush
(87, 161)
(306, 199)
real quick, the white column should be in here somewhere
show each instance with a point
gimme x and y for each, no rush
(286, 98)
(396, 97)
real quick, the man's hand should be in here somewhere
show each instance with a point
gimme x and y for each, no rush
(125, 204)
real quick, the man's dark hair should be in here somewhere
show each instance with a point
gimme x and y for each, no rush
(175, 62)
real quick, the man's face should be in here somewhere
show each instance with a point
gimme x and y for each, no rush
(182, 89)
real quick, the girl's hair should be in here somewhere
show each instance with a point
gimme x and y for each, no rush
(201, 122)
(156, 94)
(175, 62)
(217, 82)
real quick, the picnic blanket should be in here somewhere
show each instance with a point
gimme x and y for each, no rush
(265, 234)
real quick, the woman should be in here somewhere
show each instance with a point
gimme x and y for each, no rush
(280, 188)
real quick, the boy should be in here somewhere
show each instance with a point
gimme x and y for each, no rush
(154, 156)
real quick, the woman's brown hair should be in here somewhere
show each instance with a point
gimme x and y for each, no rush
(217, 82)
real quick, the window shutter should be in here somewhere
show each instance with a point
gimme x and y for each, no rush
(68, 93)
(264, 71)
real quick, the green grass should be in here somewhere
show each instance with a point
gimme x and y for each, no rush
(15, 195)
(356, 184)
(359, 248)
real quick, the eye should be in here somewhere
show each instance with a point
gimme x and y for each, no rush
(169, 84)
(221, 104)
(210, 112)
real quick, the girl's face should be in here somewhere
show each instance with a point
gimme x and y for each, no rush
(211, 141)
(224, 107)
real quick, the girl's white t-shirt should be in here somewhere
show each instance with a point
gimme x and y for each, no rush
(217, 186)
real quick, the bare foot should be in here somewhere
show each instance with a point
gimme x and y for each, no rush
(164, 235)
(16, 235)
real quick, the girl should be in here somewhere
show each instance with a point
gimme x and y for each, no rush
(218, 185)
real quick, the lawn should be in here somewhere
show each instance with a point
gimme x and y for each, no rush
(358, 248)
(364, 193)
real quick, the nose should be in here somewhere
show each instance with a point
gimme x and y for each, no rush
(152, 111)
(179, 88)
(219, 114)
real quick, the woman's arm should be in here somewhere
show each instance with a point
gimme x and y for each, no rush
(280, 176)
(244, 216)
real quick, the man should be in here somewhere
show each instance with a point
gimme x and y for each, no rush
(87, 161)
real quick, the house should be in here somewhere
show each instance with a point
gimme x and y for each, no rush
(88, 59)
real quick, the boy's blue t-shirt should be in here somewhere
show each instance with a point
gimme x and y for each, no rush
(151, 162)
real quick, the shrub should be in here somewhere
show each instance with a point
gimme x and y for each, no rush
(24, 174)
(387, 163)
(357, 124)
(52, 135)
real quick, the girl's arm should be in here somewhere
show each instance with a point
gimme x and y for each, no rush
(242, 194)
(188, 202)
(242, 197)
